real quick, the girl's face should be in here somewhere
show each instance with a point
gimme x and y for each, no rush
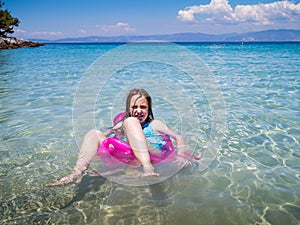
(139, 108)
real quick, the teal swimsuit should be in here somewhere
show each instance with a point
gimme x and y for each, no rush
(153, 138)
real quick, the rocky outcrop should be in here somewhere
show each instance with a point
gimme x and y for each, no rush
(12, 42)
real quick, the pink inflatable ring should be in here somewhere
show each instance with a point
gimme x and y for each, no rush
(114, 151)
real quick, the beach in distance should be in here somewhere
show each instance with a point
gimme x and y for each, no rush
(253, 179)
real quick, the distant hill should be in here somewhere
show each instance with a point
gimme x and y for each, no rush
(268, 36)
(261, 36)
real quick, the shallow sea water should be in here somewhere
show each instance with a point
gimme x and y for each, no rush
(254, 179)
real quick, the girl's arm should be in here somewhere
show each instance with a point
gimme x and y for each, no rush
(107, 132)
(160, 127)
(182, 154)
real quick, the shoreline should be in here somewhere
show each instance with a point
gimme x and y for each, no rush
(13, 43)
(177, 42)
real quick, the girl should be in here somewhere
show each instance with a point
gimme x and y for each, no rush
(139, 129)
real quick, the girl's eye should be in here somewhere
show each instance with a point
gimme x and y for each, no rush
(141, 107)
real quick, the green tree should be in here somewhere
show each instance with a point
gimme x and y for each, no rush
(7, 22)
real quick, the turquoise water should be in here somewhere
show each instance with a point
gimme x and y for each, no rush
(254, 179)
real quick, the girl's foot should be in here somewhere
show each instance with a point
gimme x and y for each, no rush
(74, 177)
(149, 171)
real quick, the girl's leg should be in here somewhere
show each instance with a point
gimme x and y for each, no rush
(88, 151)
(137, 141)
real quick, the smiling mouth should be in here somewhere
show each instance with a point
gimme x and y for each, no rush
(140, 117)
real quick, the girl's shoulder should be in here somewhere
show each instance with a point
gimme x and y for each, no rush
(158, 125)
(156, 122)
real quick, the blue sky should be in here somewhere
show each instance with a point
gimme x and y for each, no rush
(55, 19)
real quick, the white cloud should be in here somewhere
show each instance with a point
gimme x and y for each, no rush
(20, 31)
(82, 31)
(118, 27)
(46, 33)
(37, 34)
(220, 11)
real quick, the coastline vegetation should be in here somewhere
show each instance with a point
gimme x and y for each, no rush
(7, 25)
(7, 21)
